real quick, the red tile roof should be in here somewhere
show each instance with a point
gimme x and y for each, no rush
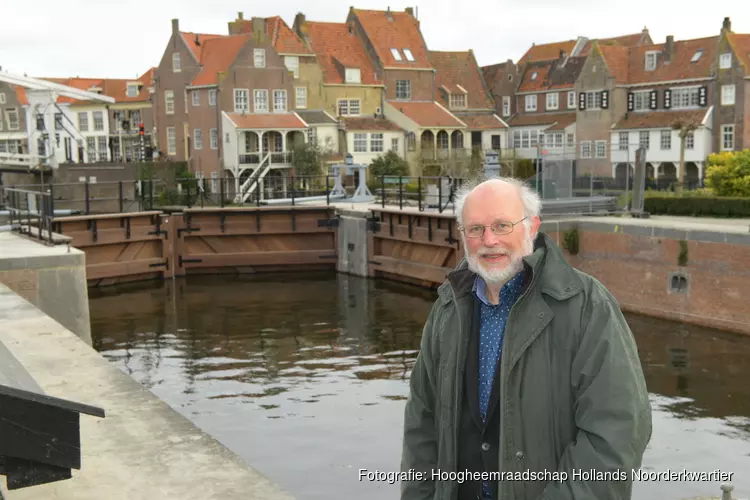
(337, 49)
(741, 46)
(680, 68)
(196, 41)
(267, 121)
(547, 51)
(632, 40)
(536, 119)
(371, 124)
(217, 55)
(427, 113)
(660, 119)
(461, 68)
(551, 75)
(284, 40)
(563, 121)
(393, 30)
(23, 100)
(482, 122)
(617, 59)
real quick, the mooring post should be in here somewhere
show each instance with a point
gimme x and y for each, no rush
(727, 491)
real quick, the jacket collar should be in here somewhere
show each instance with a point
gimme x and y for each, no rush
(549, 271)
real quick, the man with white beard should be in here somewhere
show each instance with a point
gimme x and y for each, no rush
(527, 370)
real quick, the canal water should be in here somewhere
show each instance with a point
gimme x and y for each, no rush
(305, 377)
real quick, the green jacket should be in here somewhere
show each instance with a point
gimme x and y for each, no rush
(572, 392)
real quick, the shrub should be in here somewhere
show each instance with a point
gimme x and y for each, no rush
(728, 173)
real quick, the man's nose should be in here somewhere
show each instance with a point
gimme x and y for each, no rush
(489, 238)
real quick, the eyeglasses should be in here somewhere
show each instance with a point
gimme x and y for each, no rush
(499, 228)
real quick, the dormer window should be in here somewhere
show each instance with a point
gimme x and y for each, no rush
(651, 60)
(259, 58)
(533, 76)
(697, 56)
(396, 55)
(458, 100)
(409, 55)
(132, 90)
(353, 75)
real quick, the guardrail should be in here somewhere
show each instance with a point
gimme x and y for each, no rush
(30, 212)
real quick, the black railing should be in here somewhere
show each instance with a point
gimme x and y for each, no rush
(422, 192)
(30, 212)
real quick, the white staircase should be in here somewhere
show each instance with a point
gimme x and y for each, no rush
(253, 182)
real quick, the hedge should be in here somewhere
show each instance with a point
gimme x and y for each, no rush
(699, 206)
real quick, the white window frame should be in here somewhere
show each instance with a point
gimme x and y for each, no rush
(571, 99)
(727, 95)
(623, 140)
(585, 149)
(679, 95)
(196, 98)
(169, 102)
(409, 56)
(83, 124)
(171, 141)
(644, 138)
(279, 101)
(176, 63)
(571, 139)
(12, 124)
(239, 94)
(214, 138)
(593, 100)
(260, 96)
(641, 100)
(98, 119)
(690, 141)
(665, 140)
(197, 139)
(300, 97)
(530, 102)
(458, 101)
(553, 100)
(345, 109)
(396, 55)
(359, 142)
(601, 149)
(259, 58)
(725, 60)
(292, 64)
(134, 88)
(506, 105)
(353, 75)
(403, 89)
(651, 60)
(727, 130)
(377, 142)
(212, 97)
(394, 144)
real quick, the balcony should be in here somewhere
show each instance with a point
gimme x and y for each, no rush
(283, 158)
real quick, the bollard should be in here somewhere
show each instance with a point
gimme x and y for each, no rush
(727, 491)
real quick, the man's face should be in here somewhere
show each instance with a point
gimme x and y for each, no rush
(497, 257)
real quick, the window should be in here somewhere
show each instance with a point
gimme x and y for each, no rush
(215, 182)
(353, 75)
(725, 62)
(169, 102)
(641, 99)
(516, 139)
(651, 60)
(394, 144)
(360, 143)
(553, 100)
(571, 139)
(259, 58)
(601, 149)
(176, 62)
(197, 139)
(458, 101)
(403, 89)
(2, 97)
(593, 100)
(58, 121)
(586, 149)
(98, 120)
(12, 118)
(396, 54)
(624, 140)
(534, 75)
(242, 101)
(135, 118)
(697, 56)
(102, 143)
(196, 98)
(91, 148)
(643, 138)
(214, 138)
(1, 128)
(132, 90)
(409, 56)
(292, 64)
(212, 97)
(727, 137)
(171, 141)
(531, 102)
(312, 135)
(348, 107)
(300, 94)
(279, 100)
(683, 98)
(260, 97)
(727, 95)
(376, 143)
(571, 99)
(83, 121)
(506, 105)
(690, 141)
(666, 139)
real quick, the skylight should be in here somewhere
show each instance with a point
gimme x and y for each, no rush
(697, 55)
(396, 54)
(533, 76)
(409, 55)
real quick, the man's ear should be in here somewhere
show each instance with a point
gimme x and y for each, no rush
(535, 223)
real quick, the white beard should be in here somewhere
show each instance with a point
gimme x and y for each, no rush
(500, 276)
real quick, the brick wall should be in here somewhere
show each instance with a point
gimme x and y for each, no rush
(636, 269)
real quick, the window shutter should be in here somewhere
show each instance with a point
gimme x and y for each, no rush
(582, 100)
(667, 98)
(631, 101)
(702, 96)
(605, 99)
(652, 100)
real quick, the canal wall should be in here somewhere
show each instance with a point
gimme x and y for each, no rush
(142, 448)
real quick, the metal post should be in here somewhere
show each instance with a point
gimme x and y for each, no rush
(151, 194)
(189, 205)
(328, 193)
(382, 190)
(440, 194)
(400, 193)
(52, 199)
(292, 190)
(86, 194)
(221, 192)
(119, 187)
(419, 192)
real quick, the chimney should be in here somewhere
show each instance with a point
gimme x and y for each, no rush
(299, 21)
(197, 40)
(239, 16)
(259, 26)
(175, 25)
(409, 11)
(350, 26)
(388, 14)
(669, 48)
(726, 25)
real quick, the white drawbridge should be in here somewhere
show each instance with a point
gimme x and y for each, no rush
(42, 96)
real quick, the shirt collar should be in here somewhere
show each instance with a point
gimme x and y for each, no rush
(510, 290)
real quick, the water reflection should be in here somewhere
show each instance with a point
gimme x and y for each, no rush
(305, 376)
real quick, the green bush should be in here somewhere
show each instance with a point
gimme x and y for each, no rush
(697, 206)
(728, 173)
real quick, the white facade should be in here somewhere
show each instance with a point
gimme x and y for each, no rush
(525, 141)
(230, 141)
(326, 136)
(487, 141)
(366, 145)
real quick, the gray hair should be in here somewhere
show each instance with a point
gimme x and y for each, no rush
(532, 204)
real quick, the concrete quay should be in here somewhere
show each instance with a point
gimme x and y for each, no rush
(142, 449)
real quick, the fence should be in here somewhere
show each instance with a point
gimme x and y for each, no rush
(29, 212)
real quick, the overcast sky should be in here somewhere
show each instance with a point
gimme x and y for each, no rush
(123, 38)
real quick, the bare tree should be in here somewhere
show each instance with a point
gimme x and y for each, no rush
(684, 129)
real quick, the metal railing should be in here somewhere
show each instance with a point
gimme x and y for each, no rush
(422, 192)
(30, 212)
